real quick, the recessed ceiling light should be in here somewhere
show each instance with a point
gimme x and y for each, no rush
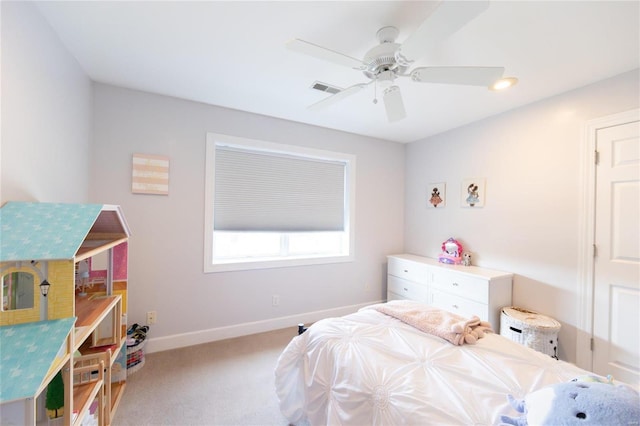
(504, 83)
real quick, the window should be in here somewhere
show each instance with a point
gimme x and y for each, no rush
(17, 291)
(270, 205)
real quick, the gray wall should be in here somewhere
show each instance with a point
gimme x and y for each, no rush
(166, 250)
(46, 112)
(531, 160)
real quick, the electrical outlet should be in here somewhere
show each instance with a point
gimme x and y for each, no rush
(151, 317)
(275, 300)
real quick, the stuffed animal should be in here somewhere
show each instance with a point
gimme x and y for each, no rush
(587, 400)
(466, 258)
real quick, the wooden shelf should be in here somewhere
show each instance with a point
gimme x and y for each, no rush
(87, 349)
(90, 312)
(91, 247)
(117, 390)
(83, 396)
(88, 381)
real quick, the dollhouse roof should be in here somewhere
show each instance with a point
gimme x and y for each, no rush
(28, 351)
(56, 231)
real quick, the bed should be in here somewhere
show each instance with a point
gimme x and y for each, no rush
(369, 368)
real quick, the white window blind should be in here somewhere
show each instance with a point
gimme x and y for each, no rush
(267, 191)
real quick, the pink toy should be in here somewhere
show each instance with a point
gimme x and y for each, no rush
(451, 252)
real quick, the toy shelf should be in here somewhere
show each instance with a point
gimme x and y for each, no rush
(113, 389)
(95, 348)
(91, 312)
(47, 242)
(91, 247)
(87, 387)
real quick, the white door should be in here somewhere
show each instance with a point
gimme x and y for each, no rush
(616, 301)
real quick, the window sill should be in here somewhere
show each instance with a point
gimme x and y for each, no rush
(234, 265)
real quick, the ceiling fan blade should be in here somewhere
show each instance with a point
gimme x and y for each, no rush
(349, 91)
(472, 76)
(393, 104)
(446, 19)
(323, 53)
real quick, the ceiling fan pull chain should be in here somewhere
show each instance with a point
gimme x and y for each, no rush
(375, 91)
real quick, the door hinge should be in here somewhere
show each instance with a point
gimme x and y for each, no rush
(597, 158)
(595, 250)
(591, 345)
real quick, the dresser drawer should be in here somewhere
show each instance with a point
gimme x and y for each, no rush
(412, 271)
(474, 288)
(458, 305)
(395, 296)
(404, 289)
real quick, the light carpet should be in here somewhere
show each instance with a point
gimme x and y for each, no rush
(229, 382)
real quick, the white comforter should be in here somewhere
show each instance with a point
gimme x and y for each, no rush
(371, 369)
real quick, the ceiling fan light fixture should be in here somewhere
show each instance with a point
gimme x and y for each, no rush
(385, 79)
(389, 60)
(393, 104)
(503, 83)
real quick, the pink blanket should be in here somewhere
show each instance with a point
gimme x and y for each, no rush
(449, 326)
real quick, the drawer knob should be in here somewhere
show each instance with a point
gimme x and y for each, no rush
(455, 306)
(405, 289)
(406, 270)
(455, 284)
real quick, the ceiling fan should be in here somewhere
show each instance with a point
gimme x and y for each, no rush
(389, 60)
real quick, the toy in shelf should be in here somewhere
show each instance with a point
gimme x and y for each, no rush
(84, 280)
(82, 277)
(55, 397)
(451, 252)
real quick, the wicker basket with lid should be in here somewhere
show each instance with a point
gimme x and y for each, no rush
(530, 329)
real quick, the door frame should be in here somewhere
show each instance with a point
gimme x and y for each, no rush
(586, 233)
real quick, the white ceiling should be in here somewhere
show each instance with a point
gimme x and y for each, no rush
(232, 54)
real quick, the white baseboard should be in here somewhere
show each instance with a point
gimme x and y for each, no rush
(182, 340)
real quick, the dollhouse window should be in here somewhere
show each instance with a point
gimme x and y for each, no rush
(17, 291)
(271, 205)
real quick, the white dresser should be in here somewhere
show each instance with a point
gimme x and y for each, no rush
(464, 290)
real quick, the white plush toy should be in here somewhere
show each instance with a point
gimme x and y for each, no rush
(584, 401)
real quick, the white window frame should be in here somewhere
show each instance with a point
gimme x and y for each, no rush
(248, 263)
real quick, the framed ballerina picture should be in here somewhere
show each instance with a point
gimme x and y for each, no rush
(472, 192)
(436, 195)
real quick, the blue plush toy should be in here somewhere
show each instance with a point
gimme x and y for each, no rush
(587, 400)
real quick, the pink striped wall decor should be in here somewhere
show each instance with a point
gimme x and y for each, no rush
(150, 174)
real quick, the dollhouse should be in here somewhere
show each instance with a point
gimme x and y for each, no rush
(63, 269)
